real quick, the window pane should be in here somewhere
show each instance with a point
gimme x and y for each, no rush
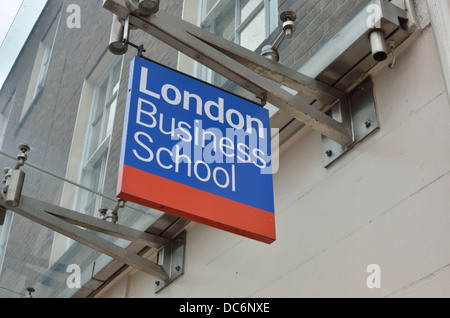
(115, 78)
(226, 24)
(247, 7)
(210, 4)
(93, 178)
(252, 36)
(45, 64)
(95, 137)
(110, 117)
(101, 99)
(90, 207)
(97, 182)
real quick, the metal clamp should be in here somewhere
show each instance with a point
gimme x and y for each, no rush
(120, 35)
(271, 51)
(14, 179)
(113, 215)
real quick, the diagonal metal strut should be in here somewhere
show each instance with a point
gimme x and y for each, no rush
(249, 70)
(64, 221)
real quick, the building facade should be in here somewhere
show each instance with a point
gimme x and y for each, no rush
(371, 224)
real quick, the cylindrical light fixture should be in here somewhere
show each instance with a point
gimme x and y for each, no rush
(118, 39)
(149, 6)
(378, 45)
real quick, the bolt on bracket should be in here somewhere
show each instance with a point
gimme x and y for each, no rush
(14, 179)
(359, 115)
(112, 215)
(171, 258)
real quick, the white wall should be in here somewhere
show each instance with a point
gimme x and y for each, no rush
(386, 202)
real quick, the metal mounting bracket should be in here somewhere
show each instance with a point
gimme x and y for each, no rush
(171, 258)
(79, 227)
(253, 72)
(359, 116)
(265, 77)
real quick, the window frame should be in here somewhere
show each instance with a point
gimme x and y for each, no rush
(43, 70)
(41, 66)
(207, 22)
(99, 156)
(207, 19)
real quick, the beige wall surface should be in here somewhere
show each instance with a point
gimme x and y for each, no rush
(386, 202)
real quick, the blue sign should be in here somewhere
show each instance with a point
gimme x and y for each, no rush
(197, 151)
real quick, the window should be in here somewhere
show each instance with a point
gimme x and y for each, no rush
(245, 22)
(239, 21)
(47, 49)
(40, 68)
(96, 148)
(90, 145)
(4, 117)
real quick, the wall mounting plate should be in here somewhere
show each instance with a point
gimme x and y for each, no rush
(359, 115)
(171, 258)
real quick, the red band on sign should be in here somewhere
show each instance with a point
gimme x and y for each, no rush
(196, 205)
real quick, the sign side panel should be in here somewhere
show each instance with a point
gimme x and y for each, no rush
(126, 121)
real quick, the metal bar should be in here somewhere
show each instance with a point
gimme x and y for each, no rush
(276, 95)
(171, 31)
(260, 65)
(274, 71)
(35, 210)
(308, 88)
(68, 181)
(190, 50)
(105, 227)
(203, 53)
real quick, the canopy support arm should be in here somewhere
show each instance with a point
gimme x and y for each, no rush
(249, 70)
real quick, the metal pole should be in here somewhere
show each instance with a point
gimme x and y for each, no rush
(439, 11)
